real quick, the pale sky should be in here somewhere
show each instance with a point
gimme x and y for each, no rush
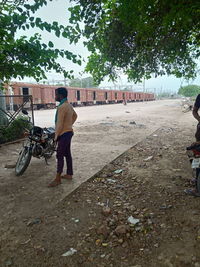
(57, 11)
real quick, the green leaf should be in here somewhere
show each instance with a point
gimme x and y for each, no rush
(57, 33)
(65, 35)
(38, 21)
(27, 6)
(50, 44)
(20, 9)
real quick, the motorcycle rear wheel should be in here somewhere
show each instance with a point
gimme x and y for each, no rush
(23, 161)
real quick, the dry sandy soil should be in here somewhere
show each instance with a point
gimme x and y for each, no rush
(38, 224)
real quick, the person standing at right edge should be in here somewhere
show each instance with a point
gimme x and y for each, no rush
(197, 117)
(64, 119)
(193, 191)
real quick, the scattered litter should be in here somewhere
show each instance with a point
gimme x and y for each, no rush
(111, 181)
(26, 242)
(132, 220)
(100, 204)
(75, 220)
(118, 171)
(35, 221)
(148, 158)
(127, 111)
(70, 252)
(155, 135)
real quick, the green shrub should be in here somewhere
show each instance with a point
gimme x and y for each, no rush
(189, 90)
(15, 130)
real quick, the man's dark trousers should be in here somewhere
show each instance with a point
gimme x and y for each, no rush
(64, 151)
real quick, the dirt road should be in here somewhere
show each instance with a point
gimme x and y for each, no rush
(101, 134)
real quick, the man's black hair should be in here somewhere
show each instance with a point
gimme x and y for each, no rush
(62, 91)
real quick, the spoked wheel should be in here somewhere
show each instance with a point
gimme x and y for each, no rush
(23, 161)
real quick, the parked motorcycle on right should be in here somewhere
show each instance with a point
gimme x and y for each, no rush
(193, 153)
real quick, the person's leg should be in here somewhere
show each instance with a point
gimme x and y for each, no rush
(197, 134)
(193, 191)
(60, 153)
(68, 157)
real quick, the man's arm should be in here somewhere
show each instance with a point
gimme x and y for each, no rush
(74, 117)
(59, 124)
(196, 108)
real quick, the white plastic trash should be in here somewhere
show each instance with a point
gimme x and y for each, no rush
(132, 220)
(70, 252)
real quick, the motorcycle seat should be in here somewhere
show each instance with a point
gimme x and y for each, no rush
(195, 146)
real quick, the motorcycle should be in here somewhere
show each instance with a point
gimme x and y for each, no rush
(193, 153)
(40, 143)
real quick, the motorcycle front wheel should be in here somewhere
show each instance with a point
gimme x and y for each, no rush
(23, 161)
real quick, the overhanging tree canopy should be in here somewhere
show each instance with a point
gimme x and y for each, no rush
(142, 37)
(22, 56)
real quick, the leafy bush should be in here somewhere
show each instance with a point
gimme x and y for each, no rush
(189, 90)
(15, 130)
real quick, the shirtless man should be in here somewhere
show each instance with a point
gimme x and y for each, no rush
(64, 119)
(193, 191)
(197, 117)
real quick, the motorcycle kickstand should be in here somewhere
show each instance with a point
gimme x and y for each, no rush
(46, 161)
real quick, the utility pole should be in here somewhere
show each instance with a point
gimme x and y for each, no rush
(64, 81)
(144, 85)
(81, 74)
